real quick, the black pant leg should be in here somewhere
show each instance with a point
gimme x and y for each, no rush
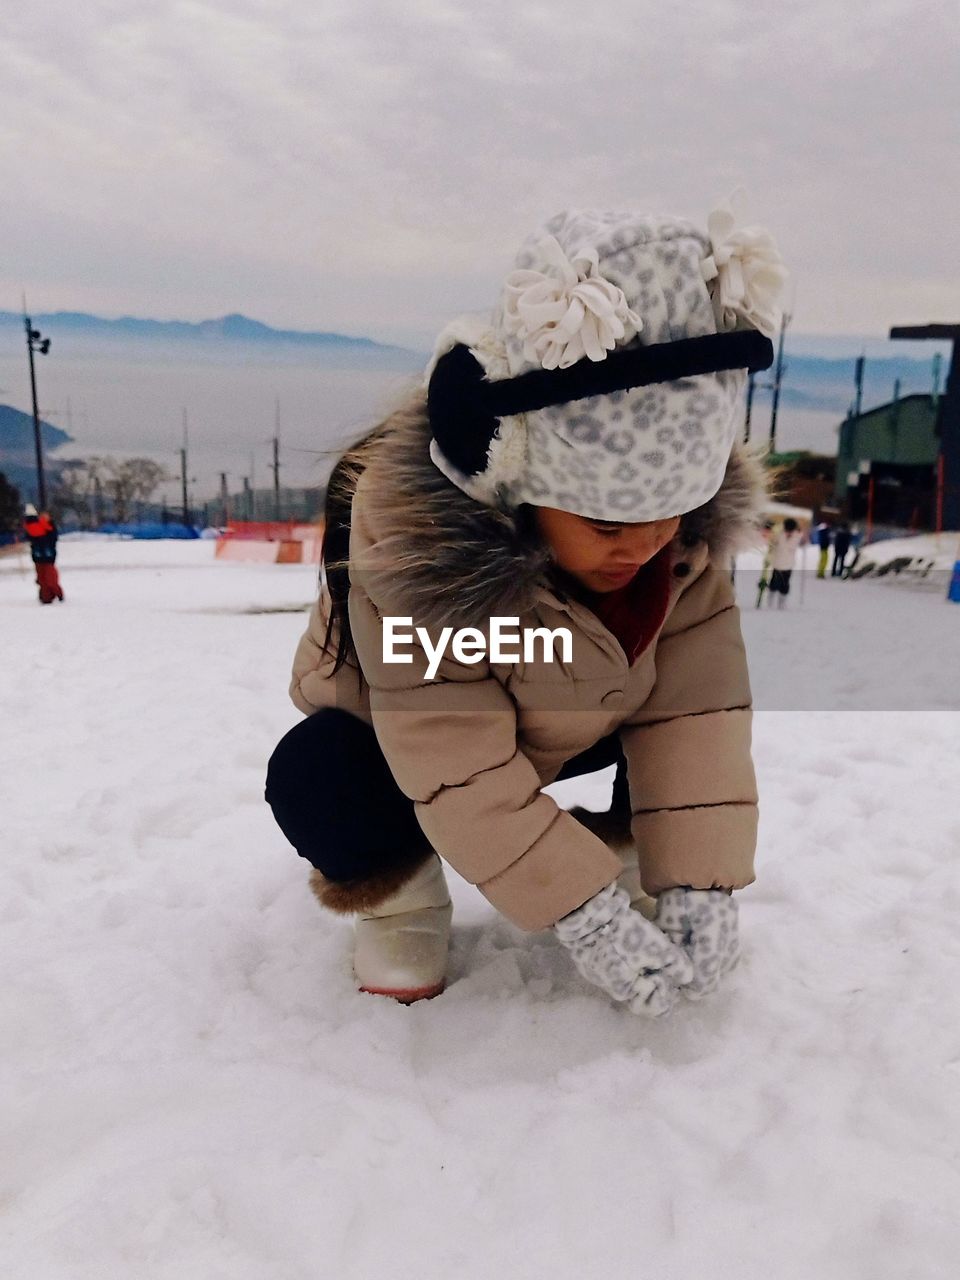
(605, 752)
(336, 801)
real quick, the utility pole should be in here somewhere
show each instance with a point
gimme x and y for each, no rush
(276, 462)
(247, 499)
(777, 380)
(183, 472)
(858, 382)
(97, 501)
(895, 417)
(224, 498)
(35, 342)
(276, 478)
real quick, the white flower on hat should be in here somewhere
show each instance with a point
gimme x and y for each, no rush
(745, 273)
(567, 312)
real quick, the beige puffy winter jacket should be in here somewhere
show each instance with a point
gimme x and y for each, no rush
(474, 746)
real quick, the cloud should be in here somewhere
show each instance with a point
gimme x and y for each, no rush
(371, 166)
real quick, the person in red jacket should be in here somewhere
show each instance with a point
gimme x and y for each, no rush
(42, 532)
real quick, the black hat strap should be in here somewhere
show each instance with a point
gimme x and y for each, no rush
(464, 405)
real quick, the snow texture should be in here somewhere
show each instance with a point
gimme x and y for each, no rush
(921, 554)
(192, 1087)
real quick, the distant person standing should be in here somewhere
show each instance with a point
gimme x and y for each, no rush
(42, 532)
(841, 546)
(824, 538)
(783, 556)
(856, 541)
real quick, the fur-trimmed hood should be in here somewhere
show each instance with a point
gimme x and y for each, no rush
(453, 559)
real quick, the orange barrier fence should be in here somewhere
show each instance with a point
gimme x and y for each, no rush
(270, 542)
(284, 551)
(273, 530)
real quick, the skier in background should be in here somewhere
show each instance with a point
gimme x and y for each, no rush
(42, 532)
(841, 545)
(783, 555)
(824, 538)
(764, 582)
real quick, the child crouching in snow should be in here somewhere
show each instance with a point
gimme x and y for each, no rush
(572, 466)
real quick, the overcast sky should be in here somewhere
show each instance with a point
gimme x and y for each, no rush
(369, 166)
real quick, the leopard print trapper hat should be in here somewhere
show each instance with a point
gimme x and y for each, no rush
(608, 379)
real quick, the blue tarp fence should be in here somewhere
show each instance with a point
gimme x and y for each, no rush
(151, 531)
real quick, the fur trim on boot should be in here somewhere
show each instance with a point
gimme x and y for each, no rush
(359, 897)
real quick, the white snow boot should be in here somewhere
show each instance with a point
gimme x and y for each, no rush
(401, 944)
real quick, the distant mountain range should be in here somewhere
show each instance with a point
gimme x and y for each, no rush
(233, 329)
(814, 381)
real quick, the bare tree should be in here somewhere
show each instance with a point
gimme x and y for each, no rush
(122, 480)
(132, 480)
(75, 488)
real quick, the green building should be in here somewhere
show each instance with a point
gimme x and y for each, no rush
(896, 445)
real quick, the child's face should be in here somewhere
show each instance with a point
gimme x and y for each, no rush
(601, 554)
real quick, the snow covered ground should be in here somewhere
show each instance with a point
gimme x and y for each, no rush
(193, 1088)
(930, 552)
